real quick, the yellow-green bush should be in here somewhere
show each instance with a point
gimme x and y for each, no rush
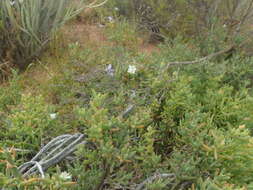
(193, 122)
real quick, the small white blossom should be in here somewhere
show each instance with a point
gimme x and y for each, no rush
(116, 9)
(131, 69)
(12, 3)
(65, 176)
(109, 69)
(53, 115)
(110, 18)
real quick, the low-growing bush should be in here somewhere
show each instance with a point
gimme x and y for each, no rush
(141, 118)
(35, 115)
(125, 36)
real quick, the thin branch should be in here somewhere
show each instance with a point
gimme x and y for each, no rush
(244, 18)
(97, 5)
(153, 178)
(129, 110)
(104, 176)
(206, 58)
(235, 6)
(17, 150)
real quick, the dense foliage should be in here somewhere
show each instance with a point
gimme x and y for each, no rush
(191, 122)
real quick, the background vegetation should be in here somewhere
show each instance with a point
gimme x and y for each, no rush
(27, 26)
(187, 126)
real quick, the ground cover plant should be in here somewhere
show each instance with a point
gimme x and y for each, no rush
(154, 116)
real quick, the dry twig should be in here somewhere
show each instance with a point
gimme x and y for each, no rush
(153, 178)
(206, 58)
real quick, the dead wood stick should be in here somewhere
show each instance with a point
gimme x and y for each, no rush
(208, 57)
(171, 176)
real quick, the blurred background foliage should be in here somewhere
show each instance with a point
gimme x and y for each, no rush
(27, 27)
(217, 23)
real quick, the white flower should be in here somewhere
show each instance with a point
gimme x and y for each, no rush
(53, 115)
(131, 69)
(65, 176)
(12, 3)
(116, 9)
(110, 18)
(109, 69)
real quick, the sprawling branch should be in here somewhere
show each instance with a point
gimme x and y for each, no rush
(244, 18)
(206, 58)
(169, 176)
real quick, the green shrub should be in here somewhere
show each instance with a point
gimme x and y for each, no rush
(126, 35)
(194, 121)
(29, 124)
(10, 178)
(120, 148)
(10, 94)
(202, 120)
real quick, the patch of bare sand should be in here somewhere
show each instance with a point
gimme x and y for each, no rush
(84, 33)
(93, 34)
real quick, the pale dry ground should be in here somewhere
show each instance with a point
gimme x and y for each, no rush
(84, 33)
